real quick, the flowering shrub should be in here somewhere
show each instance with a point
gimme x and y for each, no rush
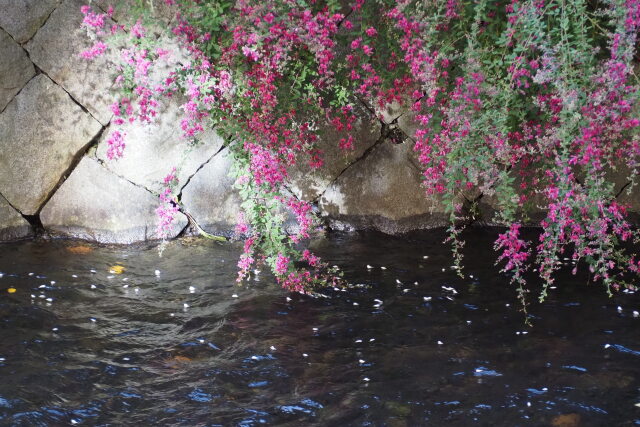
(530, 103)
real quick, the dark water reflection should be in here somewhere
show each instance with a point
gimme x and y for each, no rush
(83, 346)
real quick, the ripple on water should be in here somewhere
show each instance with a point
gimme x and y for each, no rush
(240, 361)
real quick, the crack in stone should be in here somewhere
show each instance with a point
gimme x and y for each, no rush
(43, 24)
(82, 107)
(18, 93)
(624, 187)
(72, 165)
(34, 66)
(104, 165)
(198, 170)
(384, 132)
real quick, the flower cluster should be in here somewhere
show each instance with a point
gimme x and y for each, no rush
(532, 104)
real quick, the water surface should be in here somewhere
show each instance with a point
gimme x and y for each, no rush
(173, 340)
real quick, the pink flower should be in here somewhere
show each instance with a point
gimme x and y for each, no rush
(282, 264)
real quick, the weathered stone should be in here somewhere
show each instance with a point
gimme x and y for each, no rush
(307, 183)
(153, 150)
(382, 191)
(210, 197)
(41, 132)
(15, 69)
(22, 18)
(94, 204)
(12, 225)
(56, 50)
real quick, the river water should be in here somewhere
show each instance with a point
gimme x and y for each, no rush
(173, 340)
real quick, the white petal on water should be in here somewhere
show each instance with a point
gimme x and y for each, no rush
(234, 296)
(619, 309)
(55, 329)
(125, 286)
(426, 298)
(126, 359)
(288, 299)
(405, 290)
(315, 329)
(92, 270)
(507, 305)
(1, 275)
(136, 290)
(172, 314)
(272, 348)
(369, 267)
(635, 313)
(444, 270)
(372, 339)
(30, 274)
(425, 257)
(528, 404)
(53, 282)
(471, 276)
(185, 305)
(201, 341)
(361, 361)
(74, 275)
(398, 282)
(50, 299)
(383, 268)
(125, 279)
(355, 303)
(358, 341)
(92, 319)
(33, 296)
(192, 289)
(42, 296)
(468, 322)
(157, 272)
(637, 405)
(74, 421)
(607, 345)
(440, 343)
(110, 277)
(366, 379)
(378, 301)
(2, 359)
(305, 355)
(42, 286)
(93, 286)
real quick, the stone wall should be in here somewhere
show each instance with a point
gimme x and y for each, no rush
(55, 176)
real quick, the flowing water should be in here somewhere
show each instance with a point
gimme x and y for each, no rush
(173, 340)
